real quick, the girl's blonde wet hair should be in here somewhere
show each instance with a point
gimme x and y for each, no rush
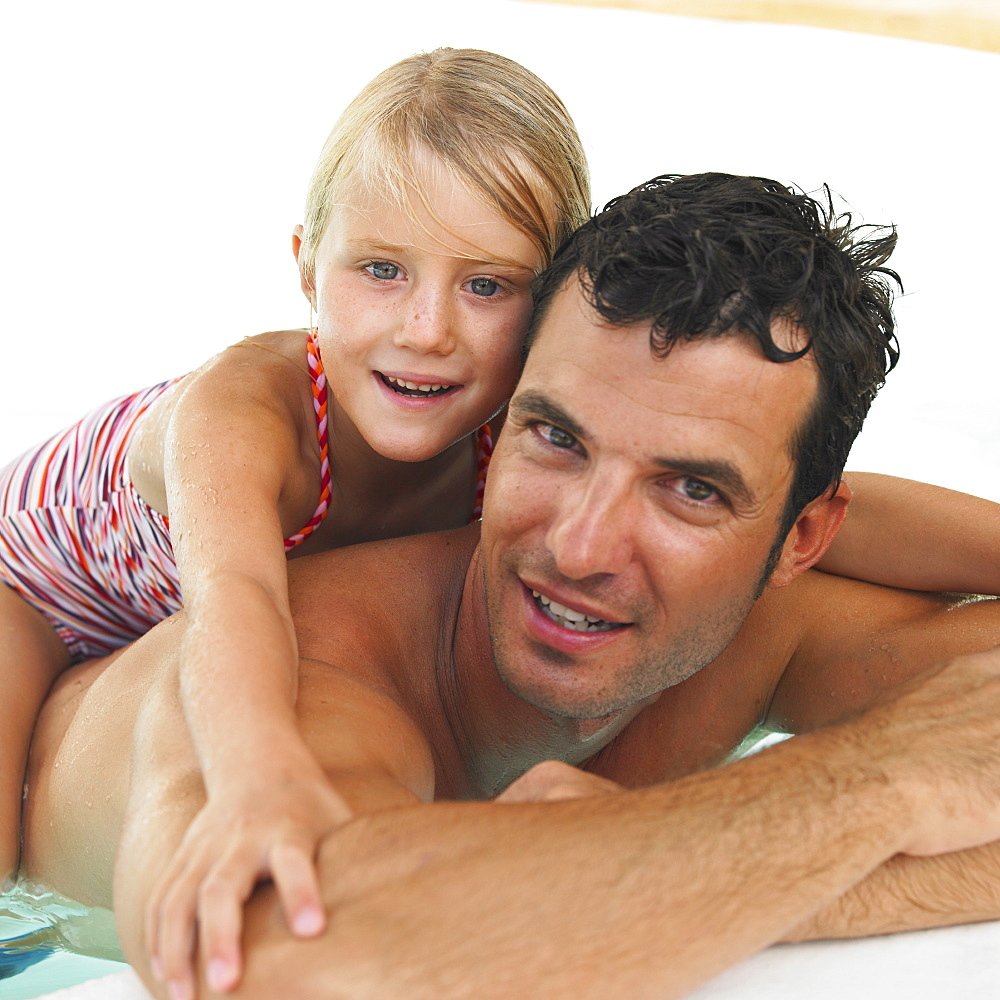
(496, 126)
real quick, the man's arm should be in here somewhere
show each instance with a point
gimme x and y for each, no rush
(909, 893)
(855, 641)
(845, 662)
(647, 893)
(840, 645)
(903, 533)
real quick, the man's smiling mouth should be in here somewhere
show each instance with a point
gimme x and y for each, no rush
(415, 390)
(575, 621)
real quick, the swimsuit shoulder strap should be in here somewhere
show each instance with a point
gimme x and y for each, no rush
(484, 452)
(318, 378)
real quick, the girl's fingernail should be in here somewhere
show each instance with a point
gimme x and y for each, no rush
(179, 989)
(308, 922)
(220, 975)
(157, 967)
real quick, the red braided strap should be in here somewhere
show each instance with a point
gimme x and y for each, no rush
(318, 377)
(484, 452)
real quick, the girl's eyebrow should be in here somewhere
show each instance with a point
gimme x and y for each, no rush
(367, 247)
(358, 246)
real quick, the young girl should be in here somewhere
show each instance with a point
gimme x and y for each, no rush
(442, 191)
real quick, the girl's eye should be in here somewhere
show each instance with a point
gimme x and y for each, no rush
(556, 436)
(383, 269)
(695, 489)
(485, 287)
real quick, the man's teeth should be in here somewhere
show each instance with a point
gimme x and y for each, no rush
(416, 387)
(577, 621)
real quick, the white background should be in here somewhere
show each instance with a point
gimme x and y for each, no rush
(156, 158)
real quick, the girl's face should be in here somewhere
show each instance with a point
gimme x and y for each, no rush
(421, 321)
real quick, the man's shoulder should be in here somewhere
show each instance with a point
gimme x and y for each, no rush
(380, 590)
(781, 648)
(855, 640)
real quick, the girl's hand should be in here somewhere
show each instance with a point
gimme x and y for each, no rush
(261, 831)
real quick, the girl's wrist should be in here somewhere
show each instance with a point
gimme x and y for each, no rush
(273, 754)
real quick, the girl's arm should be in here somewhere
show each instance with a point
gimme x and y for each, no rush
(237, 475)
(344, 720)
(919, 537)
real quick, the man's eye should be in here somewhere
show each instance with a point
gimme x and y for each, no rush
(383, 269)
(485, 287)
(695, 489)
(557, 436)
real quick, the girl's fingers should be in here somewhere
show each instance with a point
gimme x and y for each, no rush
(293, 868)
(198, 903)
(176, 936)
(220, 915)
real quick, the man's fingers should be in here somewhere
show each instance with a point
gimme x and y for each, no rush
(293, 868)
(552, 781)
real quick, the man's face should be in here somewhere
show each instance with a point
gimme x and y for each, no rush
(631, 507)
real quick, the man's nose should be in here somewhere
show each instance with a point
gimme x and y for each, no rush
(427, 322)
(593, 530)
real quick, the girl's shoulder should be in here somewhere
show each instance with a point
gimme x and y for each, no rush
(269, 371)
(261, 385)
(268, 359)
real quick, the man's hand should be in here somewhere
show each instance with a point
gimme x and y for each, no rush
(552, 781)
(241, 837)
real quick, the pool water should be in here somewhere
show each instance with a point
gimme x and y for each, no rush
(59, 970)
(61, 942)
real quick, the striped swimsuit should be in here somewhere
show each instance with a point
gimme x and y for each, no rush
(80, 545)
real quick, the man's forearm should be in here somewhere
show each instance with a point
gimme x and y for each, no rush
(647, 894)
(908, 894)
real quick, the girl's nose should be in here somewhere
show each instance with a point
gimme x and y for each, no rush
(427, 323)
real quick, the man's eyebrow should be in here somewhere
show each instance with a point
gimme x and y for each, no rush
(534, 404)
(725, 474)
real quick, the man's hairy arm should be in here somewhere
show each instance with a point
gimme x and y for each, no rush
(650, 892)
(845, 663)
(909, 893)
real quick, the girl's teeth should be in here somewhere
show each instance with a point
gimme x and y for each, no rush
(417, 387)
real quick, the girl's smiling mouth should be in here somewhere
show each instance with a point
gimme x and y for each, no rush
(413, 389)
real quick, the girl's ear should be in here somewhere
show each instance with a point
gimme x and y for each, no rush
(811, 535)
(305, 280)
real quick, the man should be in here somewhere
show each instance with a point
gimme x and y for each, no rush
(704, 353)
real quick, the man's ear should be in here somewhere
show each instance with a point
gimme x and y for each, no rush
(305, 280)
(811, 535)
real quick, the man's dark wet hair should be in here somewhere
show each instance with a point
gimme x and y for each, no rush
(709, 255)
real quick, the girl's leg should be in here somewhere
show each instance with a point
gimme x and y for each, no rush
(31, 655)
